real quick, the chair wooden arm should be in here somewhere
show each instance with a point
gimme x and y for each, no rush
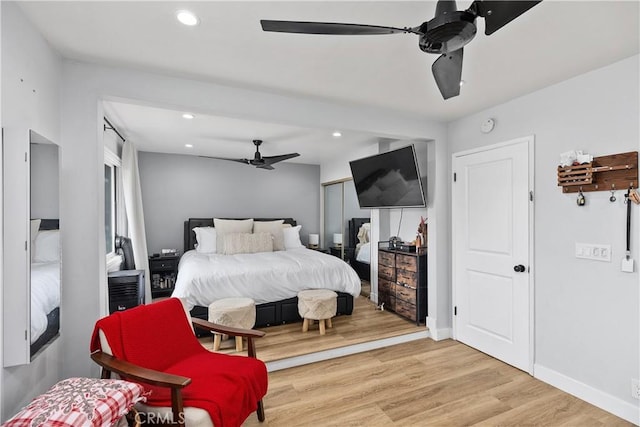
(138, 373)
(227, 330)
(249, 334)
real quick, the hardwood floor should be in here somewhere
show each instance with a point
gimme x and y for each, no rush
(365, 324)
(421, 383)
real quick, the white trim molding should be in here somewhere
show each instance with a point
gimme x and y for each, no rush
(438, 334)
(319, 356)
(602, 400)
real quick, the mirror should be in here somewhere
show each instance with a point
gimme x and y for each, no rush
(346, 227)
(45, 243)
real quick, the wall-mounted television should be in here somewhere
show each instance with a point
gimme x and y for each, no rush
(388, 180)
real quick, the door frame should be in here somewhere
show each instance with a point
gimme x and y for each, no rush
(530, 141)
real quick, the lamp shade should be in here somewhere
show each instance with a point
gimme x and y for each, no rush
(337, 238)
(314, 239)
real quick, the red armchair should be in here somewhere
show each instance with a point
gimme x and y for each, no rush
(155, 345)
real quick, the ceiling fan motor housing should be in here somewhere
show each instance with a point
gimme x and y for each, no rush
(447, 32)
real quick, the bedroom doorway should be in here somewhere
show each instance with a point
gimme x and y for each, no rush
(492, 235)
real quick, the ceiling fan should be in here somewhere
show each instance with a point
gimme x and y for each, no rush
(446, 34)
(258, 160)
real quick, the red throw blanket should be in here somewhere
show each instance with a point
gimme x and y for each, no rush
(158, 336)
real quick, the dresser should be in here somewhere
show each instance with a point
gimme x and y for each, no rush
(402, 283)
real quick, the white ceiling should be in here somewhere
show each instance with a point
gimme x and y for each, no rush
(554, 41)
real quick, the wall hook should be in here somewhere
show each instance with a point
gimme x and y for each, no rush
(581, 201)
(613, 194)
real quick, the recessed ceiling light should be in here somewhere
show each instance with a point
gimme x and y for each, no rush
(337, 134)
(188, 145)
(462, 82)
(187, 18)
(188, 116)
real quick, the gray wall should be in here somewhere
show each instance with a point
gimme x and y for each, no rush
(586, 312)
(177, 187)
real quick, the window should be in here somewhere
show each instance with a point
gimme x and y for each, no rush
(110, 208)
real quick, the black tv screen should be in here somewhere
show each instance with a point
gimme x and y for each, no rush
(388, 180)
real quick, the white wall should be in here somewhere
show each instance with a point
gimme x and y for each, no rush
(586, 312)
(30, 100)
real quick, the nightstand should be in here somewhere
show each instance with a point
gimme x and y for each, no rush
(163, 270)
(337, 251)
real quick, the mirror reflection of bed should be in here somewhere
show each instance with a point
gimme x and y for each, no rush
(45, 243)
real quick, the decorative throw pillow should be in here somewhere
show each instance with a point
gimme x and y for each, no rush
(273, 227)
(246, 243)
(292, 237)
(206, 238)
(224, 226)
(47, 246)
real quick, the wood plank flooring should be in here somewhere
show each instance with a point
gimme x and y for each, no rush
(365, 324)
(421, 383)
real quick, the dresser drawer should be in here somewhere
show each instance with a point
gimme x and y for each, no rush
(405, 294)
(386, 258)
(405, 277)
(405, 309)
(386, 272)
(386, 286)
(163, 264)
(388, 300)
(407, 262)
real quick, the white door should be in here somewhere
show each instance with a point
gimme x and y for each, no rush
(491, 262)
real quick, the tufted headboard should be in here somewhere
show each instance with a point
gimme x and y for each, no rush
(190, 235)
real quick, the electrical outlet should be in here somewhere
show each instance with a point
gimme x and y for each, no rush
(635, 389)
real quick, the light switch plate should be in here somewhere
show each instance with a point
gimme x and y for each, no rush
(593, 251)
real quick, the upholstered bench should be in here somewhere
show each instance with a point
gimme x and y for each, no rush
(317, 304)
(232, 312)
(80, 402)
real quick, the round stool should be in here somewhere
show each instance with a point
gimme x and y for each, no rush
(317, 304)
(233, 312)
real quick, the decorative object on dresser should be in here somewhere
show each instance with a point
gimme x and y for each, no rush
(402, 283)
(126, 289)
(163, 270)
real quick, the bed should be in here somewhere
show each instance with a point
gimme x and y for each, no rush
(361, 256)
(272, 279)
(45, 285)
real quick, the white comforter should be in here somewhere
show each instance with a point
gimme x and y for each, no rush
(264, 276)
(45, 294)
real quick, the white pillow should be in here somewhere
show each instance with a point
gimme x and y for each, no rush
(47, 246)
(246, 243)
(206, 238)
(292, 237)
(224, 226)
(233, 225)
(274, 228)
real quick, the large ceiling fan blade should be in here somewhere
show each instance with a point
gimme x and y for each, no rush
(267, 167)
(498, 13)
(447, 71)
(245, 161)
(330, 28)
(275, 159)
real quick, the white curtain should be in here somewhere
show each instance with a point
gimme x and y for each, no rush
(135, 214)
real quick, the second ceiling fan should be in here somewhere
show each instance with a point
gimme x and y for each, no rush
(446, 34)
(259, 161)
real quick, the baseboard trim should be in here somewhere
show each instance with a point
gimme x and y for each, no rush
(438, 334)
(306, 359)
(596, 397)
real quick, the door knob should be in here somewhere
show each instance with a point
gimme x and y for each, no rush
(519, 268)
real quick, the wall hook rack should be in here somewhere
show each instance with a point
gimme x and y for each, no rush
(604, 173)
